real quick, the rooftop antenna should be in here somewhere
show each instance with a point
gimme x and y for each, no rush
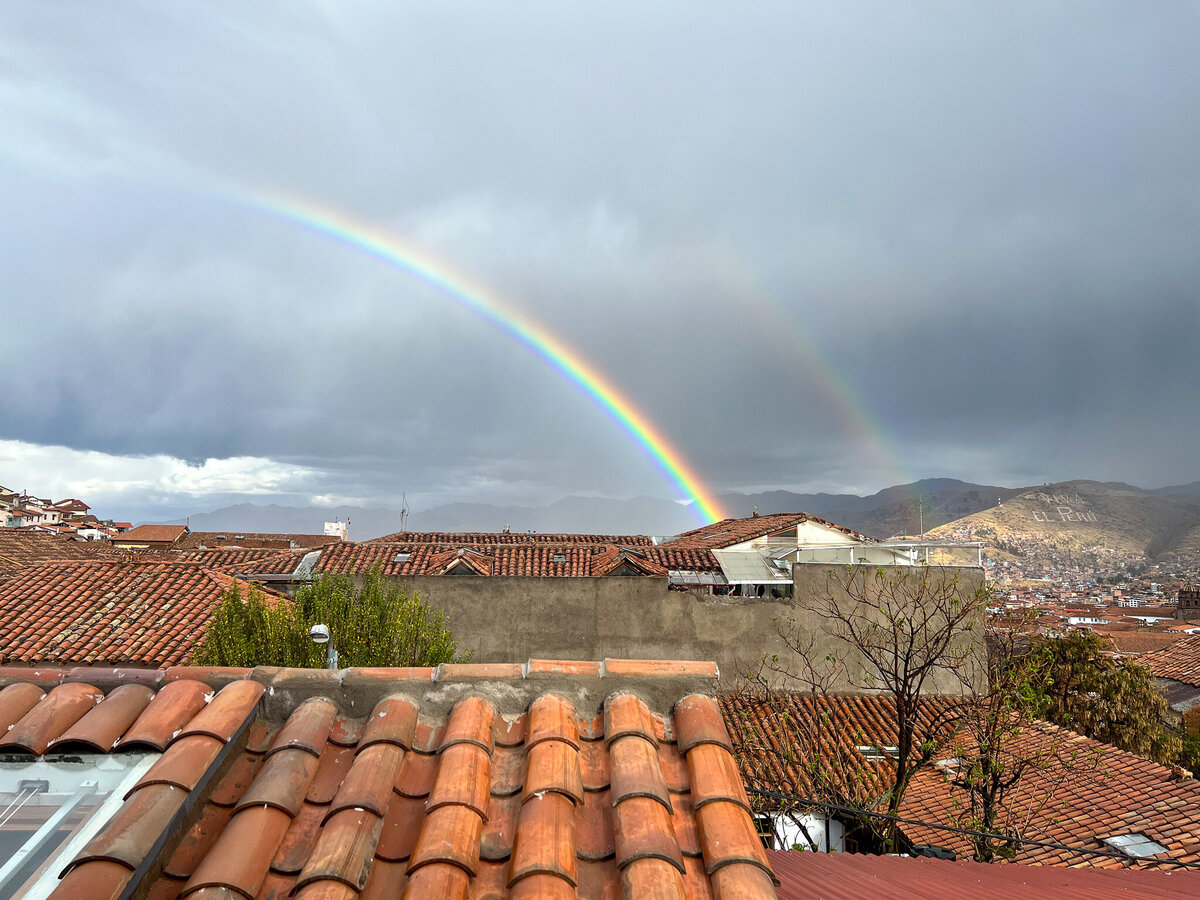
(403, 511)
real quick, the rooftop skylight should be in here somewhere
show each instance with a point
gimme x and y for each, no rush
(878, 753)
(52, 806)
(1135, 846)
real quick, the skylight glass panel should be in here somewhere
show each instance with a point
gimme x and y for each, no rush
(51, 806)
(1136, 846)
(880, 753)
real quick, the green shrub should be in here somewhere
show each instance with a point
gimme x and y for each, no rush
(379, 624)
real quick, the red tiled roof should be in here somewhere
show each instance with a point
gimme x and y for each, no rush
(247, 562)
(479, 780)
(1124, 794)
(1140, 642)
(496, 559)
(253, 540)
(492, 538)
(146, 613)
(19, 549)
(152, 534)
(852, 875)
(728, 532)
(771, 752)
(690, 558)
(1179, 662)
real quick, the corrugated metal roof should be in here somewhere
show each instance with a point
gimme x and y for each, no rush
(855, 875)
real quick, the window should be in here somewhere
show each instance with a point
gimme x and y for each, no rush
(51, 806)
(462, 569)
(625, 569)
(1135, 846)
(403, 556)
(878, 753)
(559, 558)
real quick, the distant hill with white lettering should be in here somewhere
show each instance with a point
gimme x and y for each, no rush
(1088, 523)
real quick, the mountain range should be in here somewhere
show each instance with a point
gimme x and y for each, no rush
(1150, 522)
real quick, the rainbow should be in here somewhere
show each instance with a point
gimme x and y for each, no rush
(375, 241)
(866, 428)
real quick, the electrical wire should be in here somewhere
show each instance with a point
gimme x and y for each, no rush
(1024, 842)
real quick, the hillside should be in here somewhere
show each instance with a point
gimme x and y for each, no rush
(1102, 527)
(890, 512)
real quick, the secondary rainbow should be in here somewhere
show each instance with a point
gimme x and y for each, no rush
(375, 241)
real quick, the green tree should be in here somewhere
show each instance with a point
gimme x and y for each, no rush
(379, 624)
(1105, 699)
(1008, 766)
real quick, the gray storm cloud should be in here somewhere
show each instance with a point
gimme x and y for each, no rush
(820, 246)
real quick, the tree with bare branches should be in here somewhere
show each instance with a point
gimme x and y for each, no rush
(903, 632)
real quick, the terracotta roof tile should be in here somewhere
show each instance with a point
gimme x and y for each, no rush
(229, 708)
(636, 771)
(644, 830)
(552, 718)
(254, 540)
(553, 766)
(471, 722)
(1179, 662)
(728, 532)
(185, 762)
(369, 782)
(727, 835)
(20, 549)
(449, 835)
(594, 765)
(345, 847)
(51, 716)
(282, 781)
(198, 841)
(129, 837)
(155, 534)
(699, 721)
(106, 613)
(15, 701)
(652, 877)
(508, 770)
(545, 559)
(104, 724)
(394, 721)
(175, 704)
(594, 826)
(545, 841)
(247, 563)
(502, 538)
(1126, 793)
(401, 827)
(308, 727)
(285, 811)
(713, 775)
(100, 880)
(242, 855)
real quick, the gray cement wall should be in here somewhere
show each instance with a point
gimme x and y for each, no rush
(512, 619)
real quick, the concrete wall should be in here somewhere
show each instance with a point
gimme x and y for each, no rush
(518, 618)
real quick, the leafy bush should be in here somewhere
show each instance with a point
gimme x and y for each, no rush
(379, 624)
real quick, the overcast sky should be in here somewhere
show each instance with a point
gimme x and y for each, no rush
(822, 246)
